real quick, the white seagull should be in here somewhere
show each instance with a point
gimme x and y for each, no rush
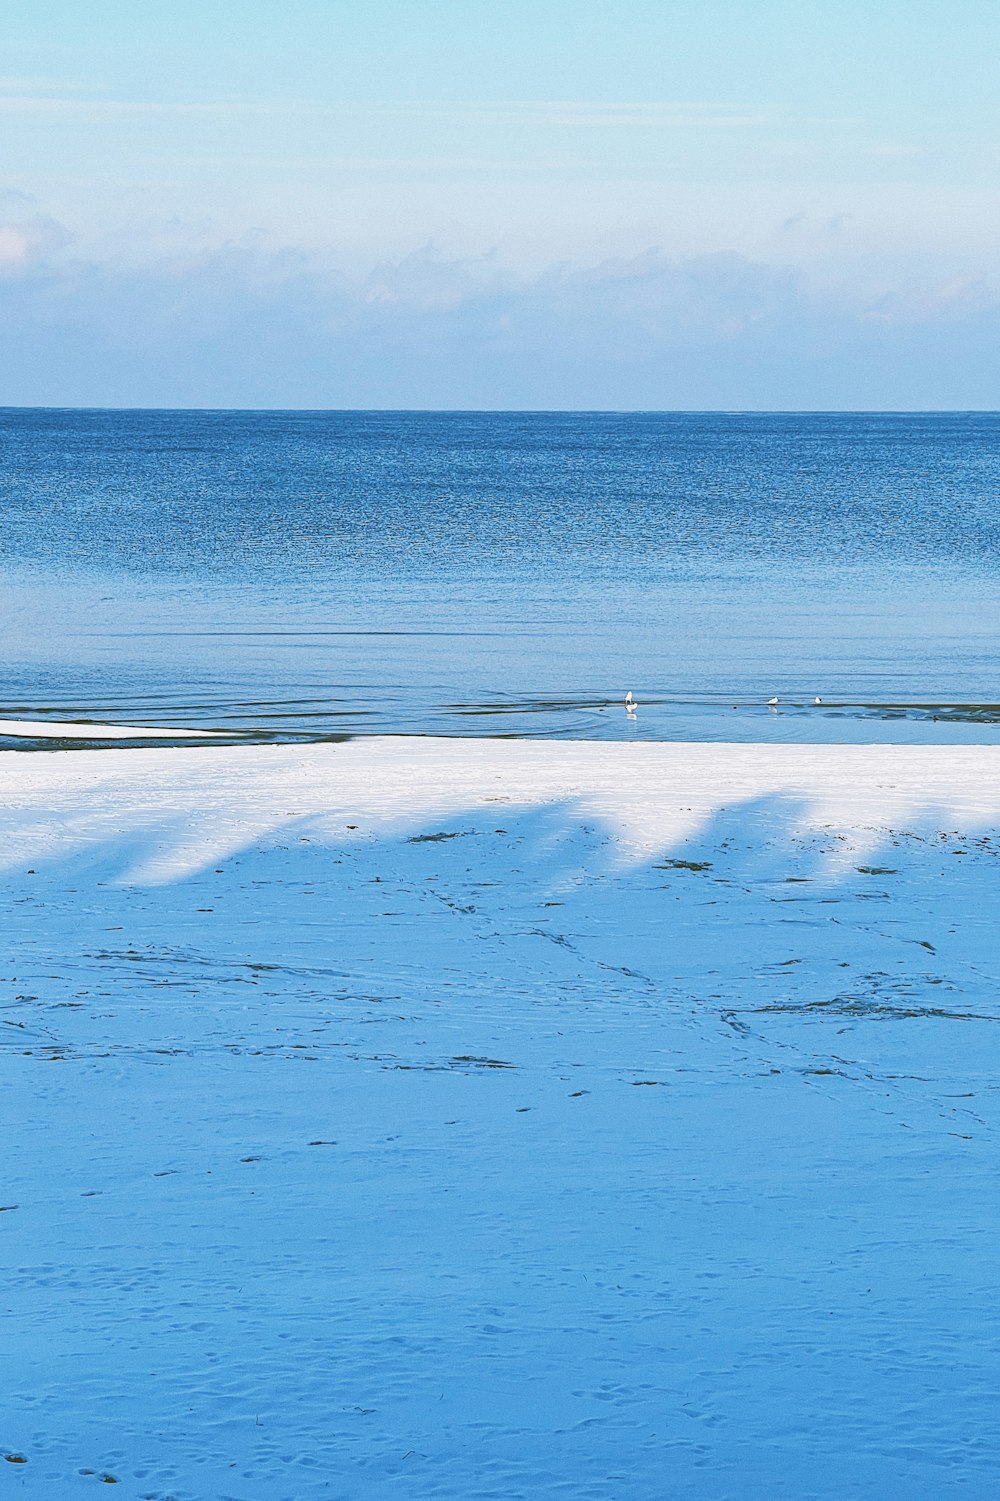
(817, 700)
(772, 703)
(630, 703)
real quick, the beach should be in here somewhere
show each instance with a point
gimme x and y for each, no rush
(499, 752)
(429, 1117)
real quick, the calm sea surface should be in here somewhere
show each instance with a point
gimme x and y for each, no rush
(310, 574)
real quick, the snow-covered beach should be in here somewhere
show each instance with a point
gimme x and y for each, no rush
(414, 1117)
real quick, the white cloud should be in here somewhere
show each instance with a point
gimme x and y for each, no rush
(23, 96)
(239, 326)
(27, 243)
(651, 113)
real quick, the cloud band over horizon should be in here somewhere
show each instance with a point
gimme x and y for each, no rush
(243, 326)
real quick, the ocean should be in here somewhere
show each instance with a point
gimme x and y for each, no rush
(309, 575)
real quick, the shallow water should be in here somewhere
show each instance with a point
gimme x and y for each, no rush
(301, 575)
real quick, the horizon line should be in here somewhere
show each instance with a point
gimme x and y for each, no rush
(555, 411)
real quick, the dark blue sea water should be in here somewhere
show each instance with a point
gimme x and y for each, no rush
(307, 574)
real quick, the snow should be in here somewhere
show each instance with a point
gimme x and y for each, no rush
(66, 729)
(429, 1118)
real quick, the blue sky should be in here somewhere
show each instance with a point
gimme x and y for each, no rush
(433, 203)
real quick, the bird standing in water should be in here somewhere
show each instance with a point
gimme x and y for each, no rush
(630, 704)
